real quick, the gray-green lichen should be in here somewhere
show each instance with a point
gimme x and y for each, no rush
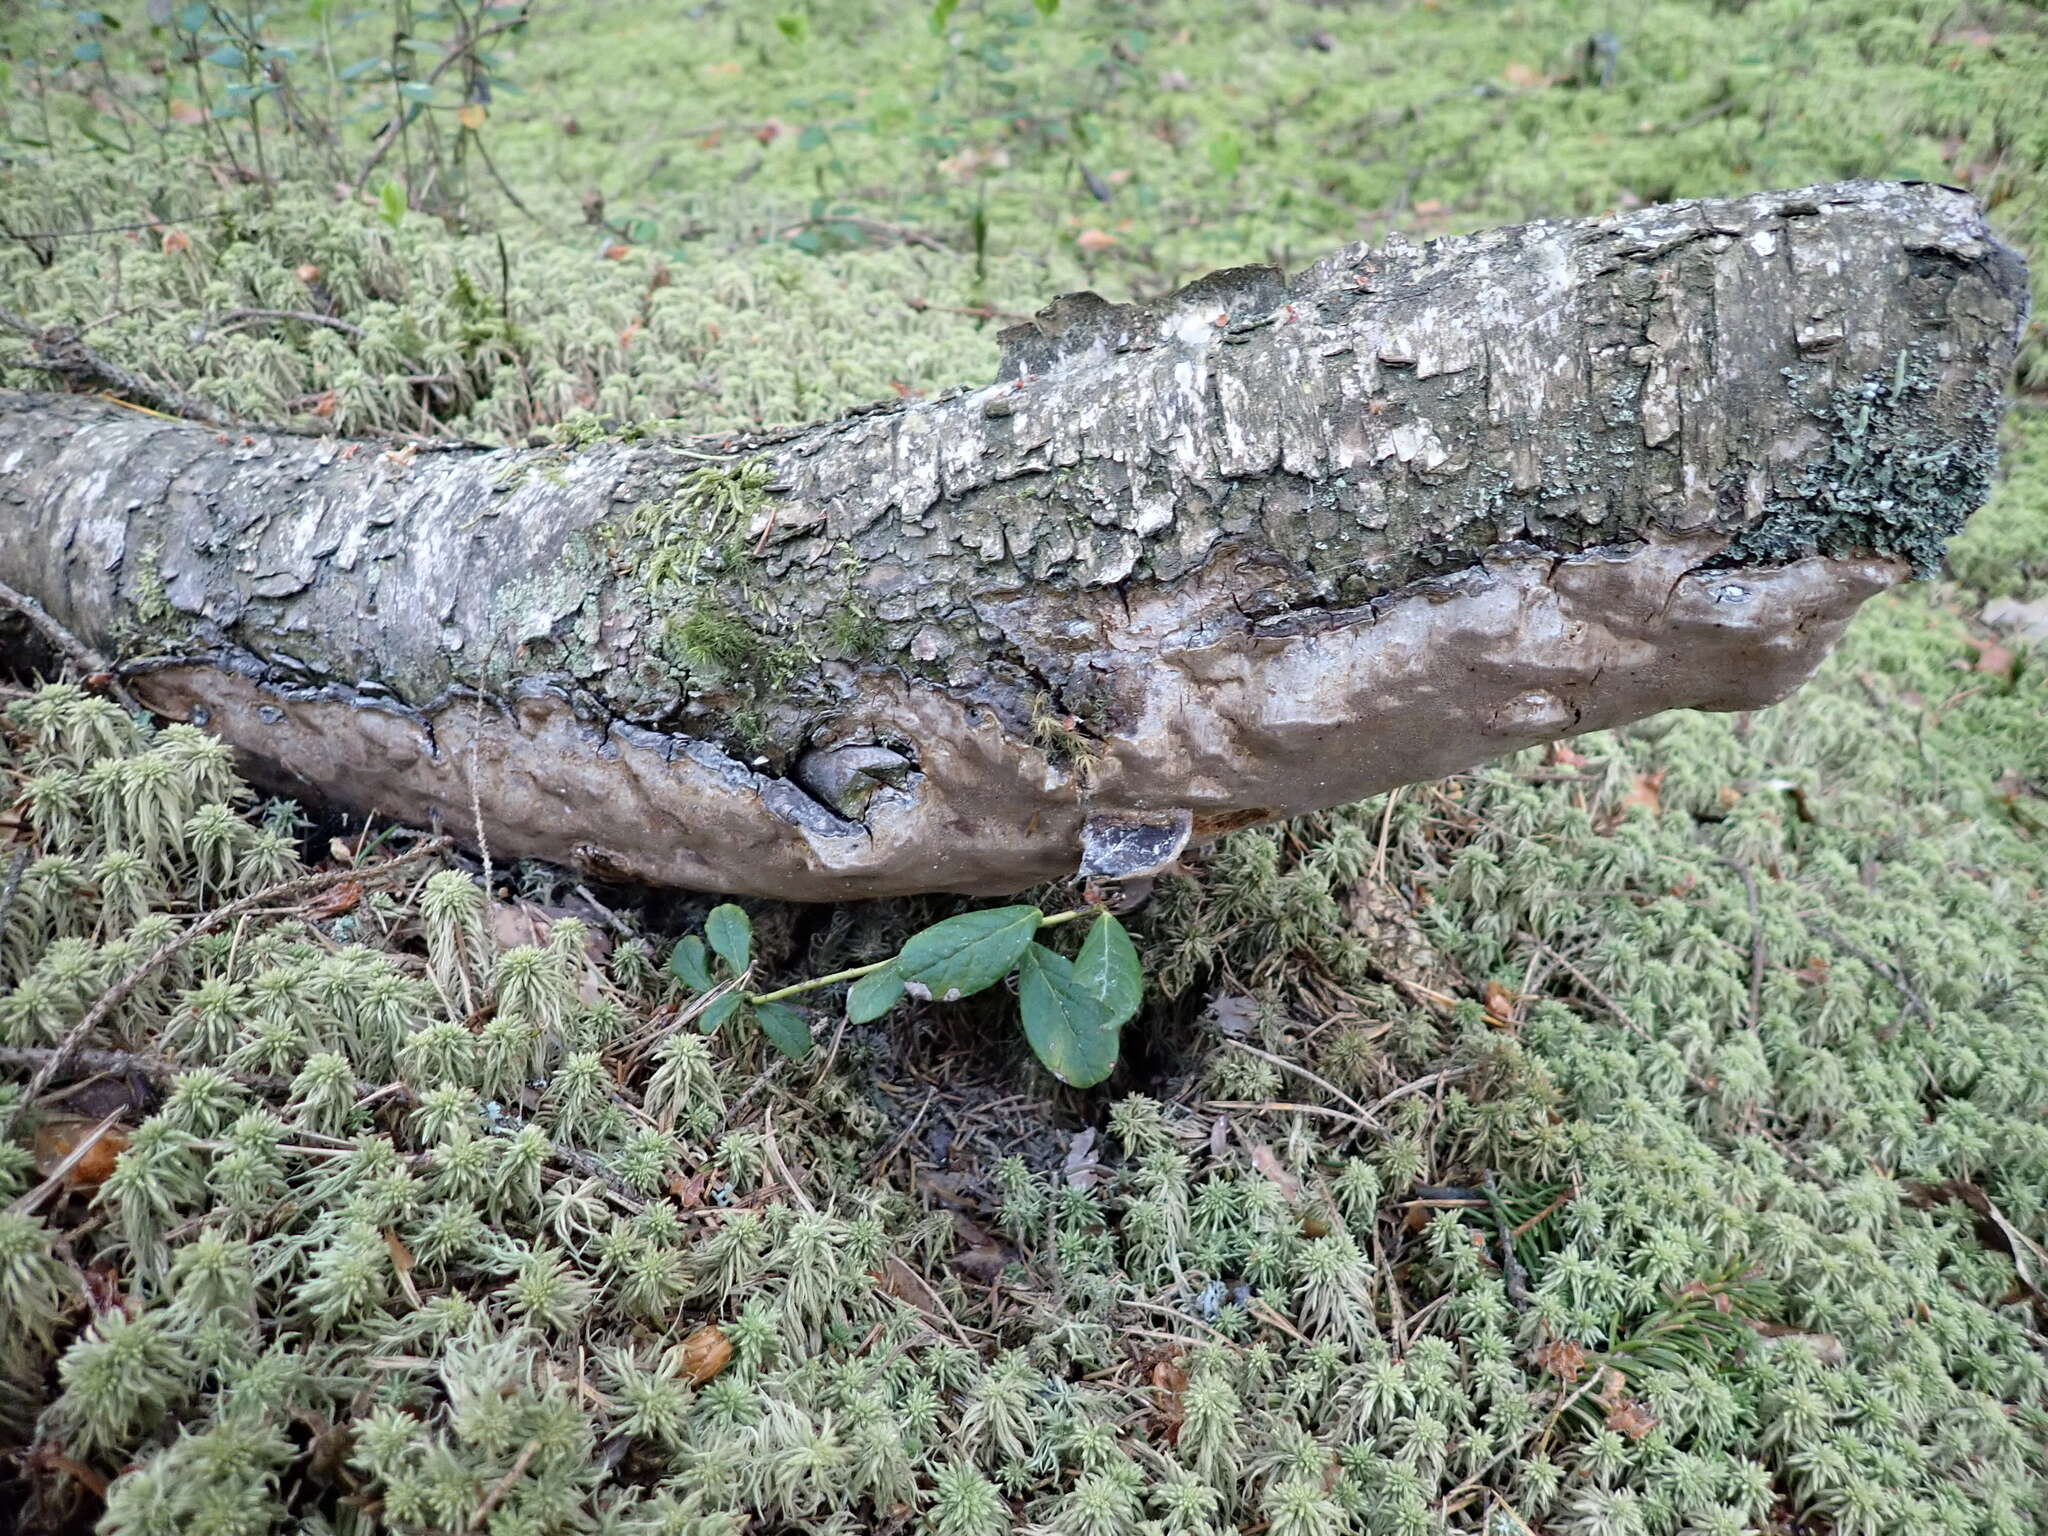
(1895, 478)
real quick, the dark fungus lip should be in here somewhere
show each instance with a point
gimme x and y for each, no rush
(1416, 689)
(1259, 547)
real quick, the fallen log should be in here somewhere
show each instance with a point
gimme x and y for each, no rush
(1262, 546)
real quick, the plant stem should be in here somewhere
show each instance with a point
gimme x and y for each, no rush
(818, 981)
(857, 971)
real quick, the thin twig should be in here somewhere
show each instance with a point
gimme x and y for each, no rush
(1896, 978)
(236, 318)
(289, 891)
(76, 651)
(875, 1168)
(1283, 1107)
(1510, 1266)
(504, 1485)
(63, 354)
(1756, 944)
(1420, 1085)
(782, 1168)
(158, 1069)
(476, 806)
(1379, 857)
(88, 233)
(1300, 1071)
(1478, 1479)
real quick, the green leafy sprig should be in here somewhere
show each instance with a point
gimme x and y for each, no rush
(1072, 1010)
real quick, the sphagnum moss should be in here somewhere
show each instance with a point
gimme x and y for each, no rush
(1752, 1047)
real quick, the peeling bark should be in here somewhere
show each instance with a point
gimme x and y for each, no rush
(1263, 546)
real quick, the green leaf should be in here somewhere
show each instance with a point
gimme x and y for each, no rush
(731, 933)
(943, 13)
(964, 954)
(686, 962)
(785, 1029)
(1067, 1026)
(227, 56)
(1108, 970)
(873, 995)
(1047, 8)
(721, 1009)
(811, 138)
(391, 204)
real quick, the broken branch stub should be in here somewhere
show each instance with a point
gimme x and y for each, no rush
(1263, 546)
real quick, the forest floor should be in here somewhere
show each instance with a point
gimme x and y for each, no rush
(1644, 1136)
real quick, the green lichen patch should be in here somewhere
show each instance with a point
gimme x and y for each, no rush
(1890, 483)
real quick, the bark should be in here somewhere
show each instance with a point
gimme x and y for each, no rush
(1263, 546)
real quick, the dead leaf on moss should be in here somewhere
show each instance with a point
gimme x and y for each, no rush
(1995, 660)
(706, 1352)
(1560, 1358)
(1646, 790)
(1268, 1162)
(1631, 1418)
(1083, 1169)
(1827, 1349)
(1501, 1006)
(345, 897)
(1169, 1383)
(80, 1152)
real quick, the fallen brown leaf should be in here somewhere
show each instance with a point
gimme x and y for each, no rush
(1560, 1358)
(345, 897)
(91, 1157)
(1646, 790)
(984, 1266)
(1501, 1005)
(1268, 1162)
(1631, 1418)
(1995, 660)
(706, 1352)
(1169, 1382)
(1825, 1346)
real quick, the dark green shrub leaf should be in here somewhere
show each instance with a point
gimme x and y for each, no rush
(964, 954)
(873, 995)
(1108, 970)
(1065, 1023)
(731, 933)
(720, 1009)
(688, 964)
(785, 1029)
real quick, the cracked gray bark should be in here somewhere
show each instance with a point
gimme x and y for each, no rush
(1263, 546)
